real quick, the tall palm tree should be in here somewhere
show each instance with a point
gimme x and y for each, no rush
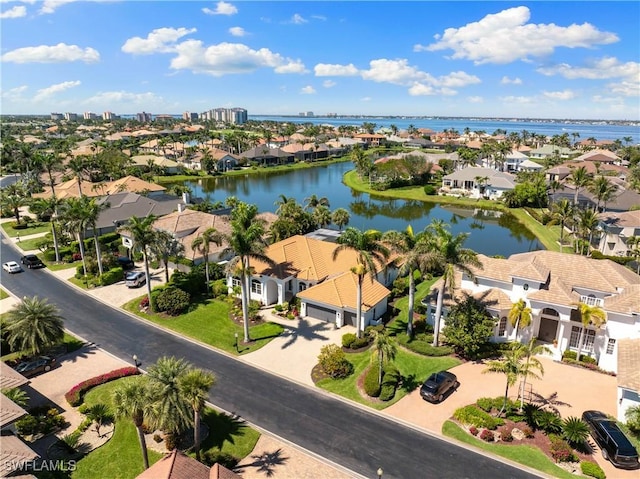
(50, 206)
(562, 213)
(340, 217)
(384, 350)
(14, 197)
(519, 316)
(165, 247)
(371, 256)
(510, 365)
(579, 178)
(142, 234)
(531, 363)
(202, 244)
(93, 209)
(78, 165)
(194, 386)
(589, 316)
(448, 254)
(587, 222)
(603, 190)
(414, 253)
(33, 325)
(131, 400)
(322, 216)
(246, 241)
(74, 217)
(313, 202)
(170, 411)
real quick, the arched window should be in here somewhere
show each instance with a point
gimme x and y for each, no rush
(502, 327)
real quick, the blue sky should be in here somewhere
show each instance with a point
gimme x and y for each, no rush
(491, 59)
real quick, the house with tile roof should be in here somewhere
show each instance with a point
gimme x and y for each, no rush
(133, 184)
(304, 267)
(628, 376)
(616, 229)
(177, 465)
(476, 182)
(553, 284)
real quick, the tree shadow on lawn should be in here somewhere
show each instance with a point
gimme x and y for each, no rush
(222, 427)
(409, 383)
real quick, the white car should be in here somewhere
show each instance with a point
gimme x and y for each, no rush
(11, 267)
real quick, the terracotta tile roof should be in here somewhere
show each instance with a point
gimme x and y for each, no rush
(628, 360)
(14, 452)
(10, 378)
(341, 291)
(218, 471)
(69, 189)
(494, 298)
(9, 411)
(626, 302)
(494, 268)
(624, 219)
(534, 270)
(176, 465)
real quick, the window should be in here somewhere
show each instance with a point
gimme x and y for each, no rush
(502, 327)
(611, 345)
(256, 286)
(525, 286)
(591, 300)
(302, 286)
(235, 282)
(589, 337)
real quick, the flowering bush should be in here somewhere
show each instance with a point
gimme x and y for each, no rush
(473, 430)
(76, 257)
(144, 302)
(505, 434)
(486, 435)
(75, 395)
(560, 449)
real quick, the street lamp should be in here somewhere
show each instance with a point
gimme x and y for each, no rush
(236, 336)
(135, 360)
(380, 472)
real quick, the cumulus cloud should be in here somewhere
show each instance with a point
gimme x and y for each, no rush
(329, 83)
(222, 8)
(475, 99)
(14, 93)
(559, 95)
(519, 100)
(625, 88)
(160, 40)
(308, 90)
(123, 97)
(237, 31)
(50, 6)
(507, 36)
(54, 89)
(510, 81)
(297, 19)
(60, 53)
(327, 69)
(15, 12)
(603, 68)
(225, 58)
(398, 72)
(420, 89)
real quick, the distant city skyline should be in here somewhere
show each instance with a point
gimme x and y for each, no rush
(553, 60)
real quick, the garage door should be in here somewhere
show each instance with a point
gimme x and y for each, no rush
(350, 318)
(319, 312)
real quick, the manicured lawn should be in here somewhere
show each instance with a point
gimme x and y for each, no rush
(209, 322)
(3, 294)
(70, 342)
(53, 266)
(413, 367)
(549, 235)
(33, 228)
(29, 244)
(526, 455)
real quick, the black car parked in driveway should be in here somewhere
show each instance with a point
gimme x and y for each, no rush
(31, 261)
(37, 366)
(125, 263)
(615, 446)
(438, 385)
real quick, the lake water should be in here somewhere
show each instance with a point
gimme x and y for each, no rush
(490, 232)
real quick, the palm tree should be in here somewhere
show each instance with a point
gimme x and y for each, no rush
(92, 211)
(16, 395)
(519, 316)
(413, 250)
(34, 325)
(371, 256)
(313, 202)
(14, 197)
(603, 190)
(510, 365)
(78, 166)
(100, 414)
(562, 212)
(170, 412)
(448, 254)
(50, 207)
(340, 217)
(194, 386)
(74, 215)
(588, 222)
(165, 247)
(531, 363)
(142, 234)
(589, 316)
(579, 178)
(131, 400)
(202, 244)
(384, 349)
(322, 216)
(246, 241)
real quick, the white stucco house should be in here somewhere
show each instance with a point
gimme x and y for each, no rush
(616, 229)
(304, 267)
(628, 376)
(476, 182)
(553, 284)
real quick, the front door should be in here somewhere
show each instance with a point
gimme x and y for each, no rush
(548, 330)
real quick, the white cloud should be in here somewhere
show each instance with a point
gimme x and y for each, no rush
(297, 19)
(60, 53)
(625, 88)
(420, 89)
(45, 93)
(365, 98)
(607, 67)
(49, 6)
(475, 99)
(322, 18)
(160, 40)
(519, 100)
(124, 98)
(222, 8)
(308, 90)
(226, 58)
(15, 12)
(457, 80)
(510, 81)
(506, 36)
(559, 95)
(327, 69)
(237, 31)
(14, 93)
(329, 83)
(398, 72)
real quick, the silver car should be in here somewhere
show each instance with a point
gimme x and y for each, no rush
(135, 279)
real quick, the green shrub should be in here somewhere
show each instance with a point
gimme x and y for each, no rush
(360, 343)
(430, 190)
(588, 360)
(474, 416)
(560, 449)
(112, 276)
(348, 339)
(486, 404)
(550, 422)
(422, 346)
(371, 381)
(193, 282)
(27, 425)
(223, 458)
(173, 301)
(333, 361)
(570, 355)
(278, 308)
(219, 288)
(575, 431)
(592, 469)
(387, 392)
(390, 381)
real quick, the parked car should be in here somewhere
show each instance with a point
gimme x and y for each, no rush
(615, 446)
(125, 263)
(11, 267)
(37, 366)
(438, 385)
(31, 261)
(135, 279)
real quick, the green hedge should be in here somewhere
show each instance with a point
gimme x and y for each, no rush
(473, 416)
(592, 469)
(173, 301)
(371, 384)
(112, 276)
(623, 260)
(423, 347)
(348, 339)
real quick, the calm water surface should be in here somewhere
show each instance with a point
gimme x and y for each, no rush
(490, 232)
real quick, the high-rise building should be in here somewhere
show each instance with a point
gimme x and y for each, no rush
(188, 116)
(70, 116)
(87, 115)
(57, 116)
(237, 116)
(143, 117)
(107, 116)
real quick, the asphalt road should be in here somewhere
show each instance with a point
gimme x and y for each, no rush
(348, 435)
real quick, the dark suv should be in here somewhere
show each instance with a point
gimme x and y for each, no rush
(615, 446)
(31, 261)
(438, 385)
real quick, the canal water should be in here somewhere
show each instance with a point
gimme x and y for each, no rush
(490, 232)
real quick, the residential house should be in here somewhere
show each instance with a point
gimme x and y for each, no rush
(528, 165)
(553, 284)
(149, 161)
(326, 287)
(616, 229)
(476, 182)
(307, 151)
(177, 465)
(133, 184)
(550, 151)
(513, 161)
(371, 139)
(267, 156)
(628, 376)
(222, 160)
